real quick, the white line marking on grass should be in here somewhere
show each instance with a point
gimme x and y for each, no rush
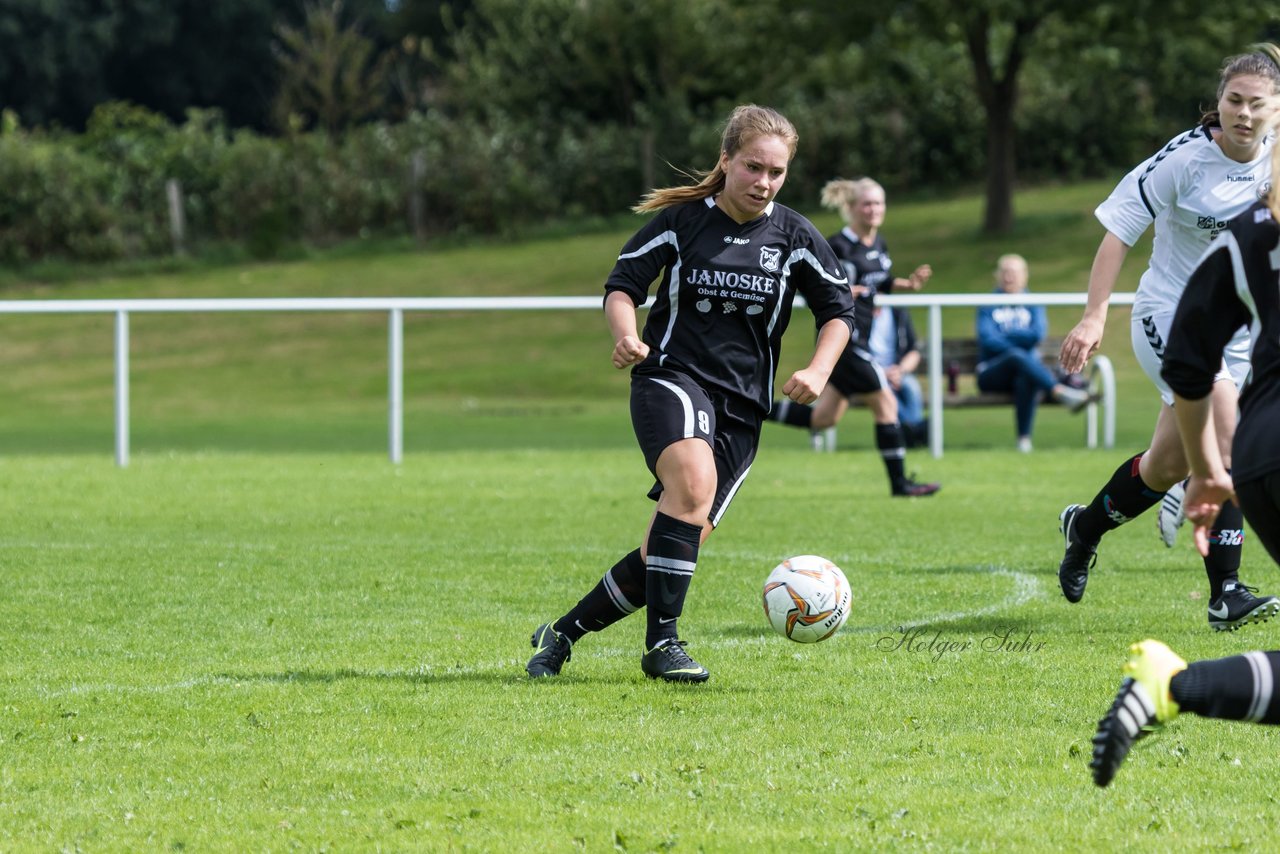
(1025, 588)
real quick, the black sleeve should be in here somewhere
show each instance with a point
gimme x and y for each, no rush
(1208, 314)
(820, 278)
(643, 258)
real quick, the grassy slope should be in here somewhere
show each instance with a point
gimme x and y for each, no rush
(313, 381)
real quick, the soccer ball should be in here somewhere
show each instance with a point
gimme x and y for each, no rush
(807, 598)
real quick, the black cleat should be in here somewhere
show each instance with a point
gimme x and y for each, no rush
(1237, 606)
(669, 661)
(1130, 717)
(1142, 705)
(908, 488)
(553, 650)
(1073, 572)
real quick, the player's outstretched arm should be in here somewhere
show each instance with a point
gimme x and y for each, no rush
(1082, 341)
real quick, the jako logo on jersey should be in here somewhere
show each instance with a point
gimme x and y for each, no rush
(769, 258)
(1228, 537)
(733, 281)
(1210, 222)
(741, 241)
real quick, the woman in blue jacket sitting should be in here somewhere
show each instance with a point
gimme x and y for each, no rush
(1008, 356)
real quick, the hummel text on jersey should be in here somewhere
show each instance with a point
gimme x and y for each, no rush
(734, 281)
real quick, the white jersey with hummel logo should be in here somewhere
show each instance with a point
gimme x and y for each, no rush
(1189, 189)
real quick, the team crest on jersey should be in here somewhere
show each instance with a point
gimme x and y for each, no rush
(769, 258)
(1264, 189)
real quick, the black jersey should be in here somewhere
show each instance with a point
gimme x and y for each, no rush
(725, 291)
(867, 266)
(1235, 283)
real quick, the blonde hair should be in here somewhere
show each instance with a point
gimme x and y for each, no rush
(1012, 257)
(841, 194)
(745, 124)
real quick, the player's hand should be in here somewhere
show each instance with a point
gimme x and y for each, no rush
(859, 291)
(1080, 343)
(893, 373)
(804, 386)
(1203, 502)
(628, 351)
(919, 277)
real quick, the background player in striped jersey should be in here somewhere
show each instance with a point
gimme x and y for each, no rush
(728, 261)
(1236, 282)
(866, 260)
(1189, 190)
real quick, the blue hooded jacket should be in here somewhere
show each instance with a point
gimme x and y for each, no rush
(1001, 327)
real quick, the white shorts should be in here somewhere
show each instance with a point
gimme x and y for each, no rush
(1148, 334)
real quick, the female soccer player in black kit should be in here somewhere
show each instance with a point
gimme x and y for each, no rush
(728, 261)
(1235, 284)
(866, 261)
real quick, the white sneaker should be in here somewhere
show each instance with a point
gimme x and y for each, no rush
(1074, 399)
(1024, 444)
(1171, 517)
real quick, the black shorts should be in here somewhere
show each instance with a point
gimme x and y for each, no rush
(667, 406)
(1260, 502)
(857, 373)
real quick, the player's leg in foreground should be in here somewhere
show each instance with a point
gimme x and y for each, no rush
(687, 471)
(1158, 684)
(1125, 496)
(1135, 486)
(619, 593)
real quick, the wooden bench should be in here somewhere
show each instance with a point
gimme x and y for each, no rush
(958, 375)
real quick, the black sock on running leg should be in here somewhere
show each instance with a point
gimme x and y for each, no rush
(618, 594)
(1226, 539)
(1126, 496)
(787, 411)
(893, 451)
(1236, 688)
(672, 557)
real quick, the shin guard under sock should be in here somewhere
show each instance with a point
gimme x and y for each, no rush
(669, 565)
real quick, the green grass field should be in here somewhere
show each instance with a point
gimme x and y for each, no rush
(261, 652)
(261, 635)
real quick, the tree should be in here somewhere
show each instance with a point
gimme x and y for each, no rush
(61, 58)
(1002, 35)
(330, 74)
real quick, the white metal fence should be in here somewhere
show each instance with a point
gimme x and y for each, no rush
(395, 307)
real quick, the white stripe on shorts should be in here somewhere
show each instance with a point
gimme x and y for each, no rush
(685, 403)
